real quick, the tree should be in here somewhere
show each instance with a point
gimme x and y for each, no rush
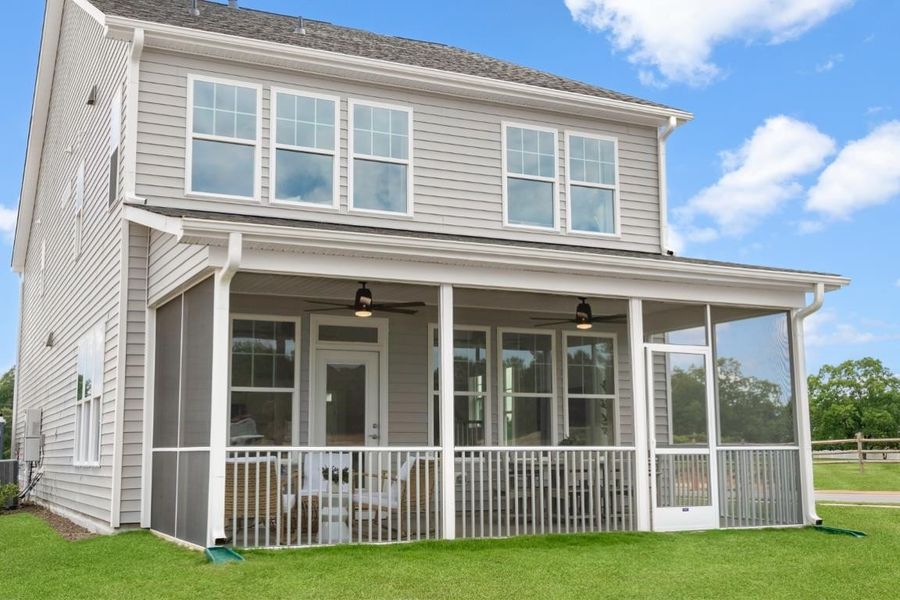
(7, 385)
(854, 396)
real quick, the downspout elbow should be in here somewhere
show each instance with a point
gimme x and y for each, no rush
(815, 305)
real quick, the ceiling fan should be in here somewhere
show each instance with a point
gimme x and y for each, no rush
(584, 317)
(363, 305)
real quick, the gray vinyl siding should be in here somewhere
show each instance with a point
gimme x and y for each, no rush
(456, 156)
(409, 393)
(172, 266)
(133, 421)
(79, 292)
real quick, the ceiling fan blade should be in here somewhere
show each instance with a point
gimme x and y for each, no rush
(329, 309)
(566, 322)
(608, 318)
(546, 318)
(388, 309)
(384, 305)
(337, 304)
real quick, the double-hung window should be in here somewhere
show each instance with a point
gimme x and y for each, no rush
(470, 372)
(223, 139)
(89, 397)
(381, 161)
(527, 373)
(590, 388)
(115, 137)
(305, 149)
(263, 382)
(529, 177)
(592, 184)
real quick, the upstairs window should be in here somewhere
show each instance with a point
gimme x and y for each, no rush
(593, 192)
(89, 396)
(115, 137)
(529, 178)
(305, 150)
(381, 167)
(224, 139)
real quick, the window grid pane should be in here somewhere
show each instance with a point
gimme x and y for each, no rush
(592, 160)
(305, 121)
(530, 152)
(381, 132)
(592, 209)
(224, 110)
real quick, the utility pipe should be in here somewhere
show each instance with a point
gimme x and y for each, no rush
(661, 137)
(801, 388)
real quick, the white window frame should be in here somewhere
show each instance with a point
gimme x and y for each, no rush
(617, 202)
(86, 452)
(488, 385)
(504, 128)
(294, 391)
(190, 136)
(352, 156)
(552, 395)
(275, 146)
(614, 418)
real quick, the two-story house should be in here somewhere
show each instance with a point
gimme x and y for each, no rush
(290, 283)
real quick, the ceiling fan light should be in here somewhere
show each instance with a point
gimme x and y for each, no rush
(583, 315)
(362, 304)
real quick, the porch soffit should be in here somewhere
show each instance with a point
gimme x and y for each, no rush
(279, 235)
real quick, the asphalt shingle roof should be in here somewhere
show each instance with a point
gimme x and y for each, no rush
(187, 213)
(244, 22)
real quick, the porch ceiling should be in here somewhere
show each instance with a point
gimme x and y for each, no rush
(266, 284)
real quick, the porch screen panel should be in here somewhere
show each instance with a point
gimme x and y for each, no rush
(193, 495)
(754, 383)
(167, 375)
(196, 366)
(162, 497)
(528, 387)
(674, 323)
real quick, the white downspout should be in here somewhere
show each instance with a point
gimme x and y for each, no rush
(218, 412)
(662, 135)
(804, 430)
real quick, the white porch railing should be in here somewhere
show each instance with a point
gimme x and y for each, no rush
(525, 491)
(759, 487)
(320, 496)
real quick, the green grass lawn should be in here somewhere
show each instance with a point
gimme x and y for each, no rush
(788, 563)
(878, 477)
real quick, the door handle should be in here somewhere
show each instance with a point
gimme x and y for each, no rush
(373, 436)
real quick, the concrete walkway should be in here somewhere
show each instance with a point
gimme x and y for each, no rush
(858, 497)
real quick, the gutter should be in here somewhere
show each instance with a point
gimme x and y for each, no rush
(804, 428)
(661, 137)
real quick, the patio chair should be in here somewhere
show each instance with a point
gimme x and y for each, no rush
(313, 486)
(251, 494)
(403, 502)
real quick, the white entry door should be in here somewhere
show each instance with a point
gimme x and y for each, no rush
(347, 398)
(684, 489)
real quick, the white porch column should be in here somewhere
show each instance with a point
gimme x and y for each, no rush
(448, 486)
(218, 412)
(639, 391)
(804, 430)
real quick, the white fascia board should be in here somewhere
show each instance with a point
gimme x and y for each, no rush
(422, 249)
(40, 107)
(153, 220)
(357, 68)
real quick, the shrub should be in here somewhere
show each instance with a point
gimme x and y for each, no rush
(8, 494)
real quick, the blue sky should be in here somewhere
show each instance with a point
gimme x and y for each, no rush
(793, 158)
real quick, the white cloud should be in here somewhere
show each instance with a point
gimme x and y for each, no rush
(825, 328)
(758, 178)
(897, 283)
(7, 223)
(678, 39)
(830, 63)
(865, 173)
(874, 110)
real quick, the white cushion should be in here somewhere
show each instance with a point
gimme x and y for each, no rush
(383, 500)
